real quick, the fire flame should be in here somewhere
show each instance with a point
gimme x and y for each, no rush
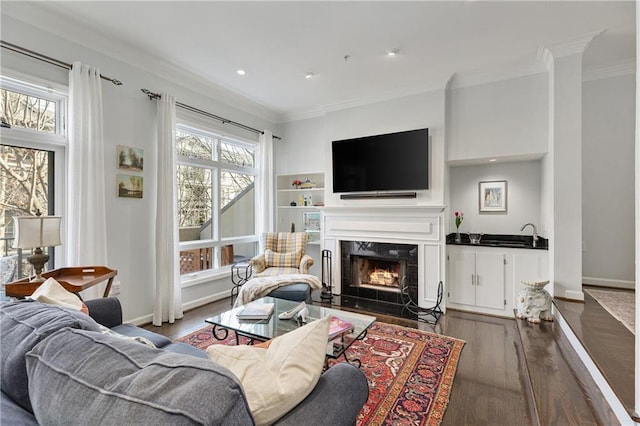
(383, 277)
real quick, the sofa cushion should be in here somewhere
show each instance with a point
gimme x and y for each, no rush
(282, 260)
(77, 374)
(24, 325)
(278, 378)
(139, 339)
(131, 330)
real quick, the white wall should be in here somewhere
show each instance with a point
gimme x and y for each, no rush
(307, 143)
(608, 126)
(506, 118)
(129, 119)
(523, 197)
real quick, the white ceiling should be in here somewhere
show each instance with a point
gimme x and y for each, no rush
(277, 43)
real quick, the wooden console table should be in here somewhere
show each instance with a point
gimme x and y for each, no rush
(73, 279)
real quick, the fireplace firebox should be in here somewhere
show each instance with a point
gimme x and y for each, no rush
(378, 273)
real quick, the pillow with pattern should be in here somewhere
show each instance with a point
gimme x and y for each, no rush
(282, 260)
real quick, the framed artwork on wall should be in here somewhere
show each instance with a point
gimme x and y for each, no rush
(493, 196)
(130, 158)
(129, 186)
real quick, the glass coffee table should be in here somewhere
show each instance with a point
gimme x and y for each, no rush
(263, 330)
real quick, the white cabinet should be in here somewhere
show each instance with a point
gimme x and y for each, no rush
(488, 279)
(476, 278)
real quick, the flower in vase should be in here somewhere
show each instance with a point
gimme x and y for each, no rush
(459, 218)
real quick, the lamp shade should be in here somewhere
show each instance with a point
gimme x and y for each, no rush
(36, 231)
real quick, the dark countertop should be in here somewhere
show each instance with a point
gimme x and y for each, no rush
(501, 240)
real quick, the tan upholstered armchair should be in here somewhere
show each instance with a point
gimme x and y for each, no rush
(284, 254)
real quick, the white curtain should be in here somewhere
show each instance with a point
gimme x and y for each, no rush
(265, 210)
(168, 301)
(86, 242)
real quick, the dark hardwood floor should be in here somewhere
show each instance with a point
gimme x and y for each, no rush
(493, 382)
(608, 342)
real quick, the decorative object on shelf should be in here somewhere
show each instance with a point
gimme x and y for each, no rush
(311, 221)
(327, 277)
(492, 196)
(308, 200)
(301, 200)
(307, 184)
(35, 232)
(293, 227)
(296, 183)
(293, 204)
(534, 302)
(459, 218)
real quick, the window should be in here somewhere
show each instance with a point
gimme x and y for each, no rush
(216, 200)
(31, 164)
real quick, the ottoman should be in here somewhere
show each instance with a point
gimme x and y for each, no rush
(297, 292)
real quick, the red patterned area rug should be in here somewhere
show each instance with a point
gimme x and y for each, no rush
(410, 372)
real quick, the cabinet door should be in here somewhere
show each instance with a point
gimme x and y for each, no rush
(490, 280)
(461, 277)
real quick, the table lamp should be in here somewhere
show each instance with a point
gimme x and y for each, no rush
(35, 232)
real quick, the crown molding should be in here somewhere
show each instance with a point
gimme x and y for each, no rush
(573, 46)
(545, 56)
(627, 67)
(48, 17)
(358, 102)
(520, 68)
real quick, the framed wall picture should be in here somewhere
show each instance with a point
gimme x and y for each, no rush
(493, 196)
(129, 186)
(130, 158)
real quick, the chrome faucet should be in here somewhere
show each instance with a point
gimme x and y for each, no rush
(535, 233)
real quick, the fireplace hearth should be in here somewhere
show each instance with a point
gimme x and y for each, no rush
(376, 274)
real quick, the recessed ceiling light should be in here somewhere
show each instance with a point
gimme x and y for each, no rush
(309, 75)
(393, 52)
(241, 72)
(493, 160)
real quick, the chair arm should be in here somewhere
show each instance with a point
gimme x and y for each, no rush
(335, 401)
(305, 264)
(258, 263)
(106, 311)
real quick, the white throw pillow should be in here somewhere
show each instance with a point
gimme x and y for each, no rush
(51, 292)
(278, 378)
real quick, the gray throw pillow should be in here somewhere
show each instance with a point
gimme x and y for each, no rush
(80, 377)
(23, 325)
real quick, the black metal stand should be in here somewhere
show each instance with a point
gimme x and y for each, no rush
(327, 277)
(428, 315)
(240, 274)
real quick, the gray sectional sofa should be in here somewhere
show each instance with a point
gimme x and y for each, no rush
(57, 367)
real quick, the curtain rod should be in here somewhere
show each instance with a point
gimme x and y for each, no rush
(47, 59)
(153, 96)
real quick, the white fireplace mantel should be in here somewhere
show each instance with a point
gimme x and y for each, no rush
(419, 225)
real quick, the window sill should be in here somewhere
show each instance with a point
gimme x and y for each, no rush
(197, 278)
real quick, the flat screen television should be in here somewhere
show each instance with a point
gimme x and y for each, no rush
(390, 162)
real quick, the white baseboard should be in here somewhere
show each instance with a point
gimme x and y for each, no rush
(146, 319)
(572, 295)
(609, 282)
(204, 300)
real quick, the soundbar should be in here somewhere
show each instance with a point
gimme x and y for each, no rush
(378, 195)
